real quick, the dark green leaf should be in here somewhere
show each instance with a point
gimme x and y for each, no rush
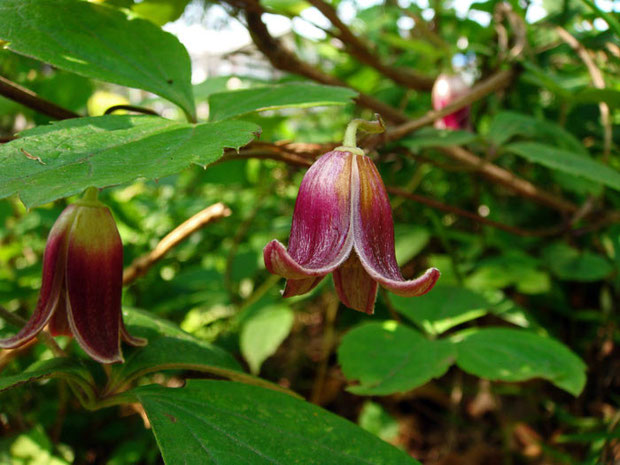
(510, 269)
(409, 241)
(568, 263)
(442, 308)
(263, 332)
(517, 355)
(431, 137)
(509, 124)
(566, 161)
(388, 357)
(225, 423)
(55, 368)
(169, 348)
(593, 95)
(108, 150)
(230, 104)
(99, 42)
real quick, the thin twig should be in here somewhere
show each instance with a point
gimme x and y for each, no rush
(360, 50)
(142, 264)
(11, 317)
(598, 81)
(31, 100)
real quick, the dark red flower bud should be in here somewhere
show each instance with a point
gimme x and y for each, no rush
(82, 283)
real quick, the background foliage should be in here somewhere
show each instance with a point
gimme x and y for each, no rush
(512, 358)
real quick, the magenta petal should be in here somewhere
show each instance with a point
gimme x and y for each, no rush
(373, 232)
(320, 239)
(94, 283)
(300, 286)
(356, 289)
(53, 263)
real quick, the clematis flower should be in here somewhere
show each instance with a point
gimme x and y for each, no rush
(342, 224)
(448, 88)
(82, 283)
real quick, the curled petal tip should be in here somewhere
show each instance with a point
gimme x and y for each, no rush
(278, 261)
(414, 287)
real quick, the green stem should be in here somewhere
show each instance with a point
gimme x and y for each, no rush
(91, 194)
(371, 127)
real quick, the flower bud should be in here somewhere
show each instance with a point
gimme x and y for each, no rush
(82, 283)
(446, 90)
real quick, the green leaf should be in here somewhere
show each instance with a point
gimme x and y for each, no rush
(263, 332)
(285, 7)
(108, 150)
(99, 42)
(378, 421)
(566, 161)
(570, 264)
(593, 95)
(516, 355)
(168, 348)
(443, 308)
(431, 137)
(210, 86)
(160, 12)
(513, 268)
(409, 241)
(225, 423)
(54, 368)
(34, 448)
(388, 357)
(230, 104)
(509, 124)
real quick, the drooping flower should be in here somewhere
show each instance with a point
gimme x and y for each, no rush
(448, 88)
(82, 283)
(342, 224)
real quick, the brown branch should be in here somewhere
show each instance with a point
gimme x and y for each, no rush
(493, 83)
(142, 264)
(285, 60)
(31, 100)
(506, 178)
(597, 80)
(358, 49)
(473, 216)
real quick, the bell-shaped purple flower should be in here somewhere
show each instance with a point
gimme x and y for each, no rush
(448, 88)
(342, 224)
(82, 283)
